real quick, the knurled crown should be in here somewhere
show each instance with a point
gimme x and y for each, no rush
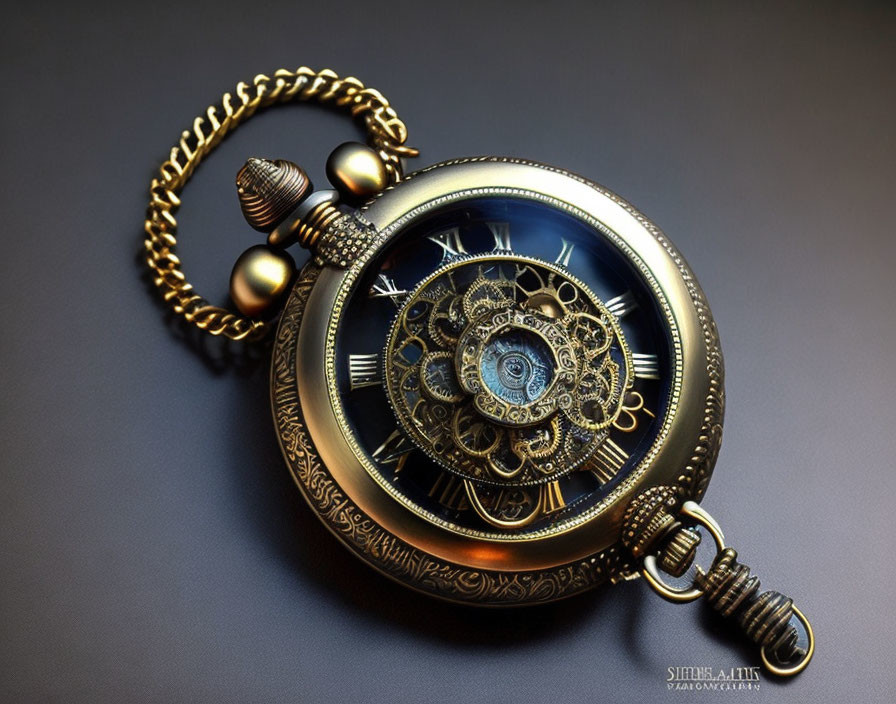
(650, 516)
(679, 551)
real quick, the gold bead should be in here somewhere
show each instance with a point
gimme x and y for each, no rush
(260, 279)
(356, 171)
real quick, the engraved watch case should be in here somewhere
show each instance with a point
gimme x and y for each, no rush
(481, 368)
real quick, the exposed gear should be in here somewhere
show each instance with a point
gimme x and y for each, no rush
(534, 365)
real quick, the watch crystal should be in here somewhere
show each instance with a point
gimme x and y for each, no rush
(503, 365)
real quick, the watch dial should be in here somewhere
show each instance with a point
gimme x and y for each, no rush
(503, 365)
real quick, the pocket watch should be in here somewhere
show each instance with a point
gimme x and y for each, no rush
(494, 381)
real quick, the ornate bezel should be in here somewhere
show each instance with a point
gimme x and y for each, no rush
(419, 552)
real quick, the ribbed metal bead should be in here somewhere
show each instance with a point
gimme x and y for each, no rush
(679, 551)
(764, 617)
(270, 190)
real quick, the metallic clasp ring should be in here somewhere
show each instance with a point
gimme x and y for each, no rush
(652, 573)
(800, 665)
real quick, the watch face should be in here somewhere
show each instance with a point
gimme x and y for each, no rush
(501, 365)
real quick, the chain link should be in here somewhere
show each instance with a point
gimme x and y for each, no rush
(386, 133)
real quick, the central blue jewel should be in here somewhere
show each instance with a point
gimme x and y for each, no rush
(517, 366)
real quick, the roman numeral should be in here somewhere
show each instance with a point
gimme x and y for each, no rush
(607, 461)
(364, 370)
(449, 491)
(647, 366)
(565, 253)
(449, 241)
(551, 497)
(501, 232)
(394, 450)
(385, 288)
(622, 305)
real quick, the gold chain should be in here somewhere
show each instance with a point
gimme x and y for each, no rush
(386, 133)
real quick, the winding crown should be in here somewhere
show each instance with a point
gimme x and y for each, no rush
(270, 190)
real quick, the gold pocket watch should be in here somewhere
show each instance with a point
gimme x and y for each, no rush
(494, 381)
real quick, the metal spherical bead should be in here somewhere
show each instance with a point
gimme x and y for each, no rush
(356, 171)
(260, 279)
